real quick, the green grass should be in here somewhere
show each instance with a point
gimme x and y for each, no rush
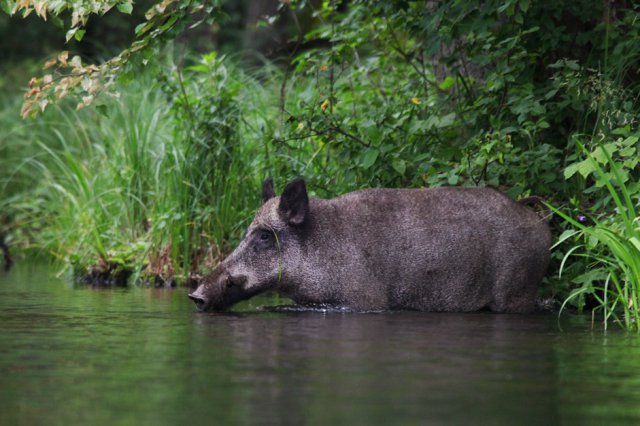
(618, 256)
(122, 186)
(92, 176)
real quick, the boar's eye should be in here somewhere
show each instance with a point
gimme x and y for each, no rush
(264, 239)
(265, 235)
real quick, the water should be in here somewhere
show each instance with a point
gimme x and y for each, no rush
(144, 356)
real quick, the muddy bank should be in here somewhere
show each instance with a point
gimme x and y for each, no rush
(106, 274)
(118, 276)
(158, 270)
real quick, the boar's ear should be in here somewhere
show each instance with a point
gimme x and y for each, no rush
(294, 202)
(267, 190)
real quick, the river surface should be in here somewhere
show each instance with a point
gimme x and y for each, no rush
(75, 355)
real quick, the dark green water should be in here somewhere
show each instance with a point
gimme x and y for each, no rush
(145, 357)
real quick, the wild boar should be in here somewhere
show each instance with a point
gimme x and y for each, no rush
(448, 249)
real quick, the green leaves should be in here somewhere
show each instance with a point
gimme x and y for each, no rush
(441, 122)
(80, 10)
(399, 166)
(86, 81)
(7, 6)
(75, 33)
(369, 158)
(447, 83)
(126, 8)
(624, 150)
(585, 168)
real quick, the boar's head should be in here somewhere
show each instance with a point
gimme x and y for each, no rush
(256, 265)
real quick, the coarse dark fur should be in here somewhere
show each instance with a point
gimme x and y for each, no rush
(435, 249)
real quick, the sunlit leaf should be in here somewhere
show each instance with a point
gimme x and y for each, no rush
(447, 83)
(125, 8)
(79, 35)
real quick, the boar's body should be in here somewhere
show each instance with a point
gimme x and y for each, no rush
(438, 249)
(441, 249)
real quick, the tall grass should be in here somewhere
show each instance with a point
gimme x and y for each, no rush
(124, 186)
(619, 295)
(93, 174)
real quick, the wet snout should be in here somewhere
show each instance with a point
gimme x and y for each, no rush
(219, 291)
(199, 299)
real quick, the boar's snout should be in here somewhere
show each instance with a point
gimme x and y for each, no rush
(219, 291)
(201, 303)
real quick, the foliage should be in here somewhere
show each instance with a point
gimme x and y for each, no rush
(140, 183)
(612, 243)
(80, 10)
(369, 93)
(71, 75)
(209, 188)
(407, 90)
(88, 179)
(602, 102)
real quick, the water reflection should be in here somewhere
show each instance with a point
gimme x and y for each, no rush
(143, 356)
(378, 368)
